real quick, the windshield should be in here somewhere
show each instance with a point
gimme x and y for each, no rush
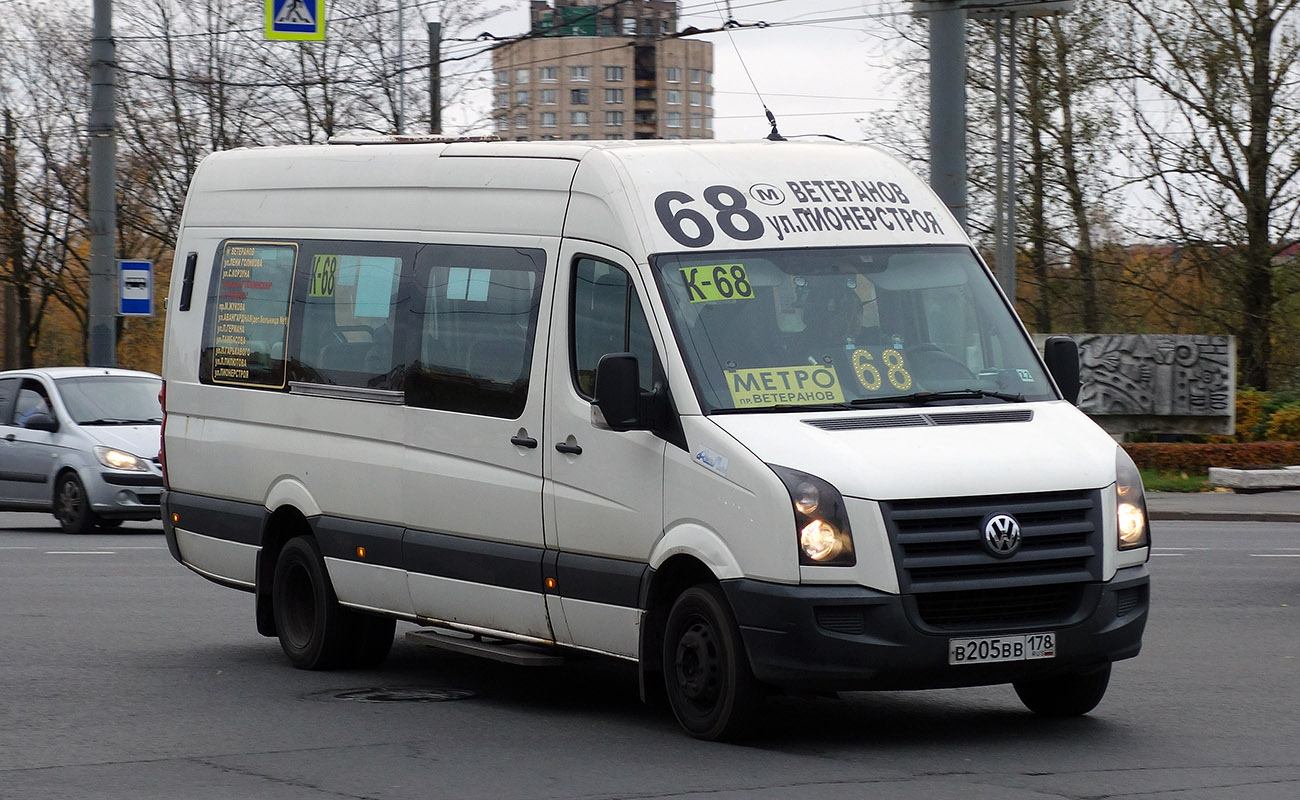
(837, 327)
(111, 399)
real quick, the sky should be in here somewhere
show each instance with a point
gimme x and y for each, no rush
(817, 65)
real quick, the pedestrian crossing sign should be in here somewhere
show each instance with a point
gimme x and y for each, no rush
(295, 20)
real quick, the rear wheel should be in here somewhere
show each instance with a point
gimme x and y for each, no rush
(72, 505)
(711, 690)
(1065, 695)
(315, 632)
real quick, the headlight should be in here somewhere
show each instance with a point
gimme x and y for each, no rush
(119, 459)
(1130, 504)
(820, 520)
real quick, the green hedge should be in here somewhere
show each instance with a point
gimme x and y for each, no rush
(1181, 456)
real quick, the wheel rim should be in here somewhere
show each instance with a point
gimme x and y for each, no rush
(699, 666)
(299, 607)
(70, 502)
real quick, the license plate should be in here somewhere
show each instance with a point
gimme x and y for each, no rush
(992, 649)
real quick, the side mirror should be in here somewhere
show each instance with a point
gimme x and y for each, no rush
(618, 391)
(40, 421)
(1062, 357)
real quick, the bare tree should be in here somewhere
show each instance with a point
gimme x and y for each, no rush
(1213, 88)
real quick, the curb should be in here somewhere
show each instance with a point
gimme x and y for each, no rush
(1226, 516)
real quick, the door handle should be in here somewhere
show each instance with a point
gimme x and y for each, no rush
(569, 449)
(523, 441)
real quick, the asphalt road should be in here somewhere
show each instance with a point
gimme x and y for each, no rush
(124, 675)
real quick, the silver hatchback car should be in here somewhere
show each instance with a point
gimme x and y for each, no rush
(81, 442)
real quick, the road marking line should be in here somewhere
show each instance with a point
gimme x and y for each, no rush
(1168, 555)
(80, 553)
(1275, 555)
(1187, 548)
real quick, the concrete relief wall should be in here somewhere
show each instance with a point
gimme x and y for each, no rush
(1162, 383)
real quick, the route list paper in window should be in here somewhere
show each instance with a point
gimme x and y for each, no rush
(250, 324)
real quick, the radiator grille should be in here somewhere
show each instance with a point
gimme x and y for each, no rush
(939, 549)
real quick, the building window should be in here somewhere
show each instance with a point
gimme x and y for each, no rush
(708, 78)
(549, 74)
(613, 74)
(548, 119)
(550, 97)
(629, 27)
(580, 137)
(708, 121)
(503, 77)
(547, 137)
(614, 119)
(613, 136)
(501, 99)
(521, 138)
(521, 120)
(521, 98)
(580, 118)
(579, 97)
(503, 124)
(695, 98)
(614, 97)
(579, 73)
(695, 121)
(695, 76)
(674, 74)
(673, 97)
(674, 119)
(708, 99)
(521, 76)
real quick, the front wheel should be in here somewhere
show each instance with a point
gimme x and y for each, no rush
(72, 505)
(1064, 695)
(711, 690)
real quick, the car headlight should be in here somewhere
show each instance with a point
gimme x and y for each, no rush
(113, 458)
(820, 520)
(1130, 504)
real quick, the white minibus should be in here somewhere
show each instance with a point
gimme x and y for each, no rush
(754, 416)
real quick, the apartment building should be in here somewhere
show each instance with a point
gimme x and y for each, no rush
(593, 69)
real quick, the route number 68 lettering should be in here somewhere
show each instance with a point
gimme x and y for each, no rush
(691, 228)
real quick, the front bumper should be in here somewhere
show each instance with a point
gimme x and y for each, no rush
(785, 631)
(125, 495)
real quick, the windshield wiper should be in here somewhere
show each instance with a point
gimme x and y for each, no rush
(785, 407)
(922, 398)
(117, 421)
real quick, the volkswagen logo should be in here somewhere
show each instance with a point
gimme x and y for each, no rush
(1002, 535)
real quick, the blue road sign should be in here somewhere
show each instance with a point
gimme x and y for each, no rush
(135, 288)
(295, 20)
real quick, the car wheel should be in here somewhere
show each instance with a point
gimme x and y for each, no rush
(711, 690)
(110, 523)
(72, 506)
(1064, 695)
(307, 613)
(371, 638)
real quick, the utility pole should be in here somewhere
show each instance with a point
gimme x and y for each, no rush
(948, 105)
(103, 190)
(435, 78)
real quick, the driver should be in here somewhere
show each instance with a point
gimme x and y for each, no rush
(832, 316)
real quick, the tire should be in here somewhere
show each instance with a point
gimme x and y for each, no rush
(1064, 695)
(308, 621)
(710, 688)
(72, 506)
(371, 638)
(316, 632)
(110, 523)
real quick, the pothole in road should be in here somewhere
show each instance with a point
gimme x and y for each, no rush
(400, 695)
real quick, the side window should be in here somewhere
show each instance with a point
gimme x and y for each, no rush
(8, 388)
(248, 314)
(607, 318)
(346, 312)
(31, 400)
(476, 310)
